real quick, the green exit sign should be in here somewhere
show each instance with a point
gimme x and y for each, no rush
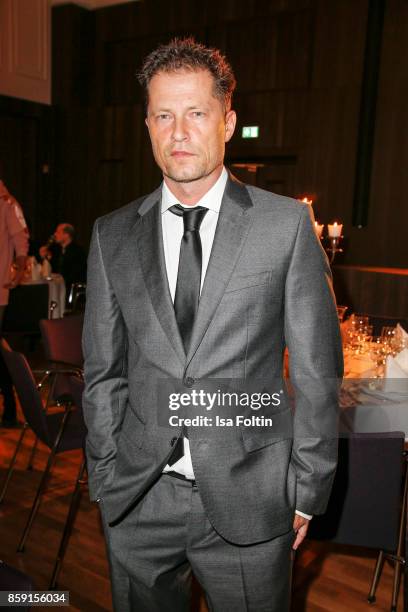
(250, 131)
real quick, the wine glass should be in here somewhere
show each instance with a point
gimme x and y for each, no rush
(378, 354)
(389, 335)
(360, 321)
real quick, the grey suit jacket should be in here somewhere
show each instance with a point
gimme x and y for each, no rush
(267, 286)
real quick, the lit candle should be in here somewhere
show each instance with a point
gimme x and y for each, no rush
(335, 230)
(306, 200)
(319, 229)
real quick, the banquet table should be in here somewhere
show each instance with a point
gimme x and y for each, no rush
(369, 404)
(31, 301)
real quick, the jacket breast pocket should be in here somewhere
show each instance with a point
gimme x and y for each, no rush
(248, 280)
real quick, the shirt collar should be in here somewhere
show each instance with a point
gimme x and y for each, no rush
(211, 200)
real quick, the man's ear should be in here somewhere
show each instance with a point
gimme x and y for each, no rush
(230, 123)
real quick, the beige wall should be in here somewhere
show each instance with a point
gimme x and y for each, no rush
(25, 49)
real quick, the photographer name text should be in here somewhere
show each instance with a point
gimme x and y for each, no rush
(218, 421)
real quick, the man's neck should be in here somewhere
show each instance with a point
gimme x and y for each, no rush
(191, 193)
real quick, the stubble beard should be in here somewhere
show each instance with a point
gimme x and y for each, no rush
(189, 175)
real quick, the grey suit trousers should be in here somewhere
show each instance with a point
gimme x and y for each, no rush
(167, 536)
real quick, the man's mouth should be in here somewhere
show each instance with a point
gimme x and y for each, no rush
(181, 154)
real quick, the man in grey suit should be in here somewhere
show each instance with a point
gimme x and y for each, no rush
(206, 279)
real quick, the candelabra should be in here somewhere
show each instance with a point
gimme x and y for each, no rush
(331, 242)
(333, 248)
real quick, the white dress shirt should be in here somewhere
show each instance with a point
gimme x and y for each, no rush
(173, 230)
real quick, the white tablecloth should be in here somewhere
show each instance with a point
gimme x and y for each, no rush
(371, 405)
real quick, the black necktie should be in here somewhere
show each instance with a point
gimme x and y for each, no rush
(189, 270)
(188, 286)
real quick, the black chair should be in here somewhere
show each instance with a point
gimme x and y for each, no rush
(19, 441)
(62, 340)
(61, 431)
(62, 346)
(12, 579)
(63, 351)
(367, 506)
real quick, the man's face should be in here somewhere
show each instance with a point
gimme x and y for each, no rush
(188, 125)
(60, 235)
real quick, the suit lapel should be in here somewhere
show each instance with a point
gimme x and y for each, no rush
(233, 225)
(149, 240)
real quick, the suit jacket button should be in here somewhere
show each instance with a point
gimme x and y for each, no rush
(189, 382)
(173, 441)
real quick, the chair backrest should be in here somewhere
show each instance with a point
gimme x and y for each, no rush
(26, 388)
(365, 504)
(62, 339)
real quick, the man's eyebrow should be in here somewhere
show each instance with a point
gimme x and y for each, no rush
(192, 107)
(201, 106)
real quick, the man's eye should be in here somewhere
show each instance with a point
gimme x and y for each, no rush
(198, 114)
(163, 116)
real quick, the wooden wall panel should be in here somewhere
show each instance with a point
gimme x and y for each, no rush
(283, 63)
(18, 163)
(328, 148)
(384, 238)
(74, 57)
(102, 163)
(232, 10)
(265, 110)
(254, 63)
(339, 39)
(327, 156)
(29, 22)
(25, 69)
(122, 60)
(360, 288)
(26, 155)
(108, 181)
(294, 50)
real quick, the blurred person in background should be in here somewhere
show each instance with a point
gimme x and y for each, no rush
(66, 256)
(13, 245)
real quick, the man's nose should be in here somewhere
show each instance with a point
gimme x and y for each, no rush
(180, 132)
